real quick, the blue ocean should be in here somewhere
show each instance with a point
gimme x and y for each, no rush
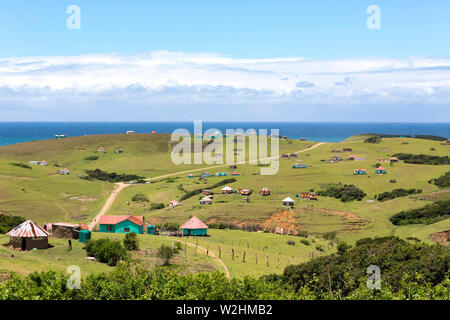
(16, 132)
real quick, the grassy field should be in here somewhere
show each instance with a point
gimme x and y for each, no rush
(59, 257)
(42, 195)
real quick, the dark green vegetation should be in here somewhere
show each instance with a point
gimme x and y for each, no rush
(139, 197)
(198, 191)
(420, 136)
(373, 140)
(343, 192)
(91, 158)
(165, 253)
(345, 272)
(106, 250)
(98, 174)
(8, 222)
(388, 195)
(408, 271)
(131, 241)
(21, 165)
(423, 159)
(443, 181)
(431, 213)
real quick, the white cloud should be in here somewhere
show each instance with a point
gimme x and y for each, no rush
(164, 78)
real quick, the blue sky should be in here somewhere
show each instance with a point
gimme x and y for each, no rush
(314, 29)
(270, 57)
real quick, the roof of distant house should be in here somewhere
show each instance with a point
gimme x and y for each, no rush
(139, 220)
(28, 229)
(194, 223)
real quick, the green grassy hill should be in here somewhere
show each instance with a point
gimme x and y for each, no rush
(42, 195)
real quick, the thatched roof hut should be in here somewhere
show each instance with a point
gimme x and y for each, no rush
(28, 235)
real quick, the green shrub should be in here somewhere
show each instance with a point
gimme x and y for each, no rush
(422, 159)
(98, 174)
(388, 195)
(343, 192)
(131, 241)
(156, 206)
(139, 197)
(431, 213)
(165, 253)
(21, 165)
(305, 242)
(8, 222)
(91, 158)
(106, 250)
(443, 181)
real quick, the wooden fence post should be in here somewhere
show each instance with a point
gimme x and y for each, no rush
(220, 252)
(243, 257)
(232, 254)
(267, 260)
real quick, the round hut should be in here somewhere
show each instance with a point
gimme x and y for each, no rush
(28, 235)
(264, 191)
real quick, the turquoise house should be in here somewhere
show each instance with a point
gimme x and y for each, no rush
(380, 170)
(121, 224)
(299, 165)
(359, 171)
(194, 227)
(221, 174)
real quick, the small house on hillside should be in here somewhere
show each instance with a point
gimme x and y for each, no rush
(60, 136)
(288, 202)
(235, 173)
(101, 149)
(308, 195)
(245, 192)
(121, 224)
(63, 171)
(359, 171)
(356, 158)
(207, 192)
(221, 174)
(448, 141)
(206, 200)
(347, 150)
(285, 156)
(393, 160)
(118, 150)
(299, 165)
(227, 190)
(380, 170)
(264, 191)
(44, 163)
(293, 155)
(190, 175)
(174, 203)
(303, 139)
(28, 235)
(232, 167)
(194, 227)
(34, 162)
(66, 230)
(130, 132)
(205, 175)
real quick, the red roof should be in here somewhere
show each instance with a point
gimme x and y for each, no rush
(194, 223)
(139, 220)
(381, 168)
(28, 229)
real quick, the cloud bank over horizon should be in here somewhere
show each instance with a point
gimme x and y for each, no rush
(185, 86)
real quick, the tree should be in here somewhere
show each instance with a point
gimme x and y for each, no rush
(165, 253)
(131, 241)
